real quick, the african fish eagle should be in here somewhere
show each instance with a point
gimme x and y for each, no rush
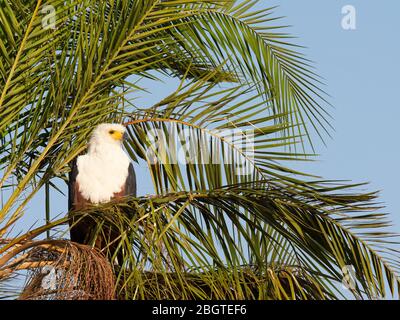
(104, 173)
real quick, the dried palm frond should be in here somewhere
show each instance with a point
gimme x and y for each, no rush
(64, 270)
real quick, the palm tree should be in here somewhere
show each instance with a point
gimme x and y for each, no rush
(228, 223)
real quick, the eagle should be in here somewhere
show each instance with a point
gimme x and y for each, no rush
(103, 174)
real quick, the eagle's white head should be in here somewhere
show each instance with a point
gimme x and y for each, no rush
(107, 134)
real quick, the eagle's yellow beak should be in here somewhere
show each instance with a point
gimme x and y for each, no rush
(117, 135)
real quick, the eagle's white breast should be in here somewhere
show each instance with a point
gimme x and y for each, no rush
(102, 172)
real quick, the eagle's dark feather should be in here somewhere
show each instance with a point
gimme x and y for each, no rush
(130, 184)
(71, 184)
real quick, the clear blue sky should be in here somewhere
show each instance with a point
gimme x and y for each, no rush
(362, 69)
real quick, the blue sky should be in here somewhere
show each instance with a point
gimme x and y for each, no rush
(361, 68)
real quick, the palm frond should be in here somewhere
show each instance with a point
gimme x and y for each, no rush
(222, 230)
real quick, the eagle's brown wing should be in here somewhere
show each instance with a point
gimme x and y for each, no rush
(130, 184)
(78, 227)
(71, 184)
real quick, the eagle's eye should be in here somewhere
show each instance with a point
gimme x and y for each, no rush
(111, 132)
